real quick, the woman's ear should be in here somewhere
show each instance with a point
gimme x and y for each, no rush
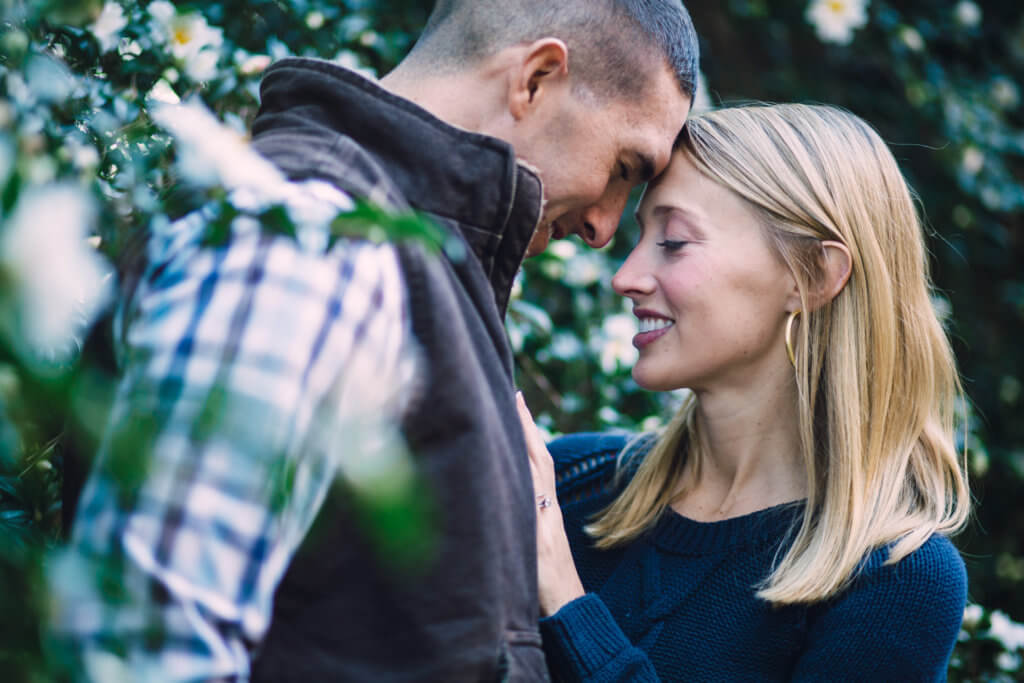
(836, 265)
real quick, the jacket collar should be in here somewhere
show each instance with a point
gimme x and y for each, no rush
(472, 180)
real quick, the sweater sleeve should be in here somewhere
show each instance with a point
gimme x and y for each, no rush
(583, 642)
(895, 623)
(585, 463)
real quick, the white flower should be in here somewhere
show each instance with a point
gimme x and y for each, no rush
(968, 14)
(55, 282)
(973, 160)
(1005, 93)
(108, 26)
(616, 347)
(193, 42)
(651, 423)
(254, 64)
(584, 270)
(835, 20)
(992, 198)
(1006, 631)
(106, 666)
(563, 249)
(211, 152)
(516, 335)
(351, 60)
(315, 20)
(972, 615)
(979, 463)
(566, 346)
(1008, 662)
(553, 269)
(49, 79)
(163, 92)
(129, 49)
(517, 287)
(912, 38)
(202, 67)
(41, 170)
(81, 153)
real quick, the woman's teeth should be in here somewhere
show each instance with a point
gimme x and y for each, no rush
(652, 324)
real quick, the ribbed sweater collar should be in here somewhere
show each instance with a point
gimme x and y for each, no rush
(677, 534)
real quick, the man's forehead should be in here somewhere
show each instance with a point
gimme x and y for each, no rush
(654, 128)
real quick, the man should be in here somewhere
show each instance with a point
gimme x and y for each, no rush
(511, 122)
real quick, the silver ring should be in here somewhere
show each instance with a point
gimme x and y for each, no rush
(543, 502)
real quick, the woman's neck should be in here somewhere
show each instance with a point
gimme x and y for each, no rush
(752, 458)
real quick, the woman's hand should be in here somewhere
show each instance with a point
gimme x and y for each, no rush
(557, 580)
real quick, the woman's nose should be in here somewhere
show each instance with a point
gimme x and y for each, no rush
(633, 279)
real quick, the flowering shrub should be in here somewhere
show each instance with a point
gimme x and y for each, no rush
(107, 107)
(836, 20)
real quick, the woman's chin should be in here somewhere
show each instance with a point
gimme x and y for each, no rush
(653, 382)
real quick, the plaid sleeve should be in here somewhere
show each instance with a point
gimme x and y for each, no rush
(216, 457)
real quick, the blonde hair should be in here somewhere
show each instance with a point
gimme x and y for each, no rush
(877, 384)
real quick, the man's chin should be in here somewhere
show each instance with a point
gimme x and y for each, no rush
(540, 240)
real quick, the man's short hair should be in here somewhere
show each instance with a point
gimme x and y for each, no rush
(612, 43)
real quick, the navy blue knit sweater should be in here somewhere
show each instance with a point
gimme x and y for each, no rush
(679, 604)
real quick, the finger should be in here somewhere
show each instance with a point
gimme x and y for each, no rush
(534, 441)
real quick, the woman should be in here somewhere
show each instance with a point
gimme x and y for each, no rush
(790, 522)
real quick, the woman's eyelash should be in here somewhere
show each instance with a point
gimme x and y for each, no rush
(623, 171)
(672, 245)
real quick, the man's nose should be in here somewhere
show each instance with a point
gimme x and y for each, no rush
(601, 220)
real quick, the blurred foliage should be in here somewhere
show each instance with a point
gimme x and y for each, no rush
(80, 78)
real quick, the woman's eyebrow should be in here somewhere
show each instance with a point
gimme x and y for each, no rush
(693, 219)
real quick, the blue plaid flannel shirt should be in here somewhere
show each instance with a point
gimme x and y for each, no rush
(242, 367)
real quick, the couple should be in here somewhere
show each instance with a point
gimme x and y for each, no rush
(789, 521)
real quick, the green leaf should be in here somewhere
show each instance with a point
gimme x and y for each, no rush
(371, 222)
(277, 221)
(218, 228)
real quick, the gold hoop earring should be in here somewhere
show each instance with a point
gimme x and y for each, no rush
(789, 336)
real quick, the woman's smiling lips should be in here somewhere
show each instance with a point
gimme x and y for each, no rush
(652, 326)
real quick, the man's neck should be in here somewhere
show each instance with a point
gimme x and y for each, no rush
(447, 98)
(473, 98)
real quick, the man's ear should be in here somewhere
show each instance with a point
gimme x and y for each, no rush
(543, 69)
(836, 265)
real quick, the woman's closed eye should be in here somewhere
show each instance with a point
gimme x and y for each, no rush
(672, 245)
